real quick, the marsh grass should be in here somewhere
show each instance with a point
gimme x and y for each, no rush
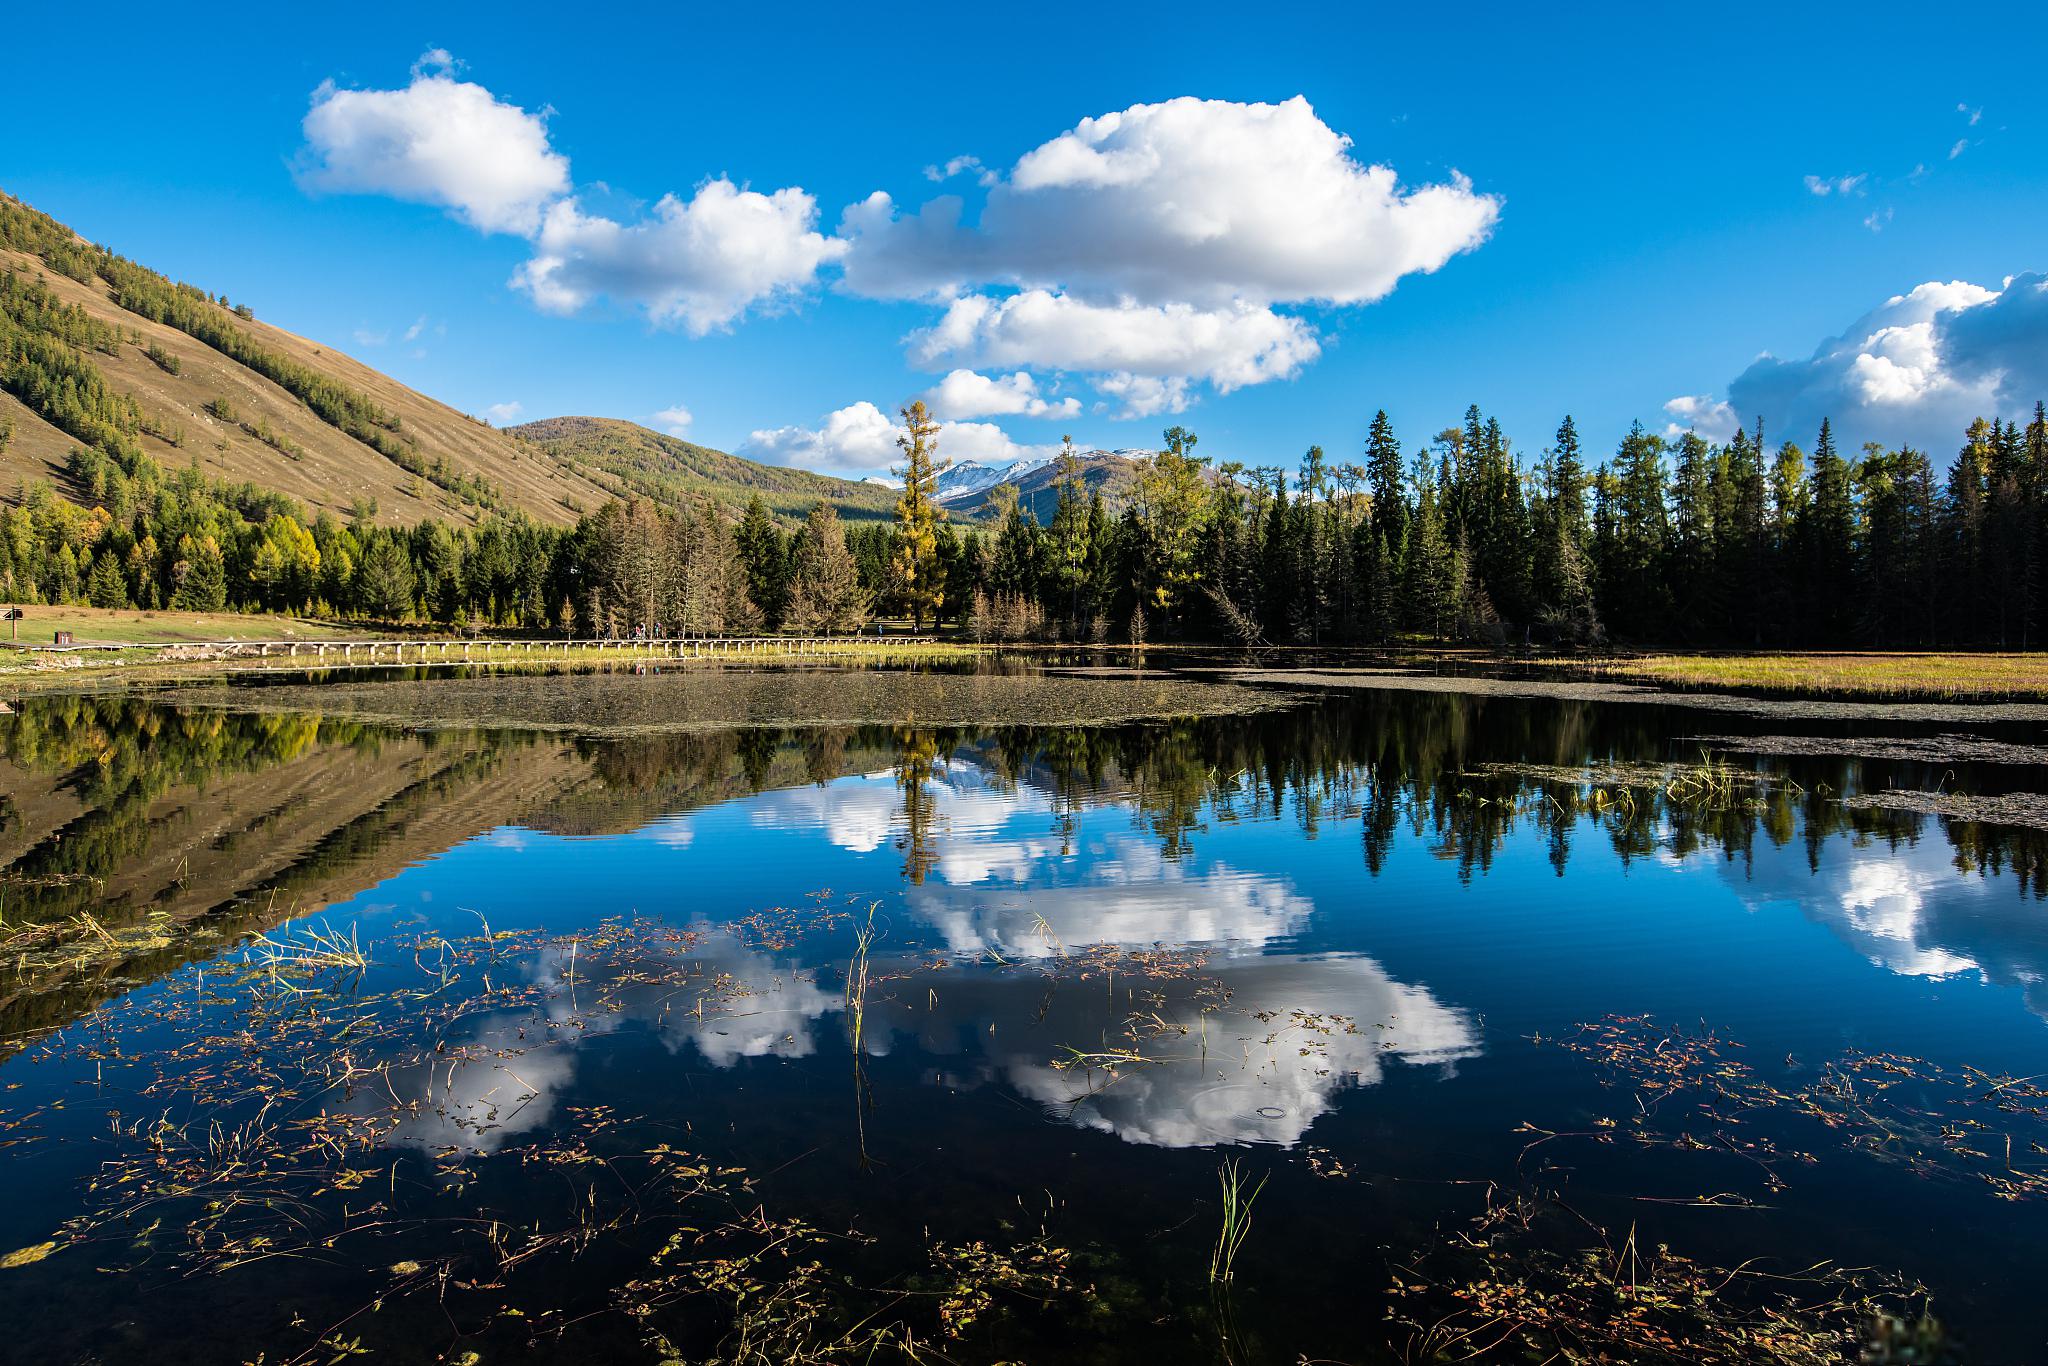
(291, 956)
(1947, 676)
(857, 977)
(1237, 1219)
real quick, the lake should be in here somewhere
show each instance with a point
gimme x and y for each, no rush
(822, 1016)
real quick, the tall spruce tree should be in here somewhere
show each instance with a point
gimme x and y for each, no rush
(918, 583)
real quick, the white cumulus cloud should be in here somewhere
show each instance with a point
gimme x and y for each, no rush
(968, 393)
(1206, 201)
(502, 413)
(1150, 247)
(1916, 369)
(1229, 346)
(438, 141)
(699, 262)
(860, 438)
(857, 437)
(675, 420)
(1144, 395)
(1711, 418)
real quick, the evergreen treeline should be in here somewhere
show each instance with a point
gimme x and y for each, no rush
(1681, 541)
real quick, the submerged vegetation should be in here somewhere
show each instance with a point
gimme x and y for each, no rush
(356, 1106)
(1521, 1284)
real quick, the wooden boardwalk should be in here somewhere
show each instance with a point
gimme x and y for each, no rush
(443, 651)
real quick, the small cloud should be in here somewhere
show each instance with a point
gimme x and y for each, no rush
(968, 394)
(1877, 218)
(983, 176)
(1957, 150)
(675, 420)
(1710, 417)
(1822, 186)
(413, 333)
(435, 61)
(365, 337)
(1975, 116)
(502, 413)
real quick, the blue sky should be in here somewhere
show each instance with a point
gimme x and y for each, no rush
(1598, 215)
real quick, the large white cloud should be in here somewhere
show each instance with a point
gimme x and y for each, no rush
(861, 438)
(968, 394)
(437, 141)
(1148, 247)
(1916, 369)
(1202, 201)
(700, 262)
(1230, 346)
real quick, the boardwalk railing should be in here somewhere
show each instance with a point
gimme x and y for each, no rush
(455, 651)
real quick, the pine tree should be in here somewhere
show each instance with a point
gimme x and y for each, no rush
(1431, 585)
(764, 560)
(1632, 576)
(1696, 611)
(1827, 541)
(1385, 481)
(1070, 539)
(1173, 501)
(384, 578)
(1560, 530)
(825, 593)
(203, 582)
(1739, 540)
(917, 582)
(104, 586)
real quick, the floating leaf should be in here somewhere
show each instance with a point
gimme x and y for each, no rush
(25, 1256)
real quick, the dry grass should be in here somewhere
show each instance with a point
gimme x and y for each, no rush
(334, 469)
(95, 626)
(1924, 675)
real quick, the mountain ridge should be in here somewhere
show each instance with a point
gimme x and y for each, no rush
(668, 468)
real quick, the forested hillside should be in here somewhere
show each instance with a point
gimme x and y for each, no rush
(668, 469)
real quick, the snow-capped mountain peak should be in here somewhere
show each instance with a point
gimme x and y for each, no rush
(970, 477)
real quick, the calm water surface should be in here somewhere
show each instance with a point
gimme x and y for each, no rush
(691, 1046)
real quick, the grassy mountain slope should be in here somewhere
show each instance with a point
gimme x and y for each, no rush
(667, 469)
(270, 436)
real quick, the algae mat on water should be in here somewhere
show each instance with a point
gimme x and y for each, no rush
(625, 703)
